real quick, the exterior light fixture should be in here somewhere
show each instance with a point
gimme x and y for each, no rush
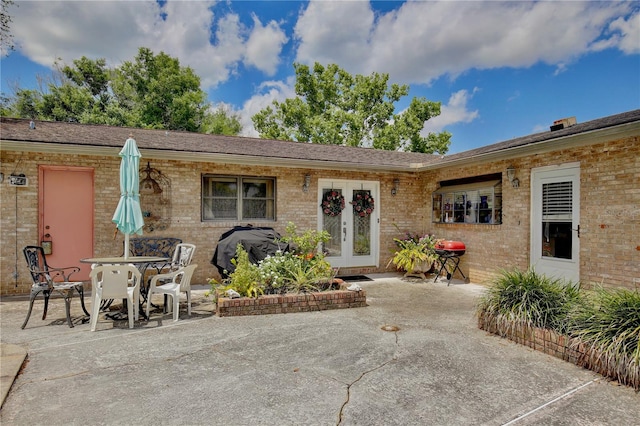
(396, 186)
(307, 183)
(511, 175)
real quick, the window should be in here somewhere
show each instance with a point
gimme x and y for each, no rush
(479, 202)
(557, 215)
(238, 198)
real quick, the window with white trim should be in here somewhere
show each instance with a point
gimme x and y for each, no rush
(478, 202)
(238, 198)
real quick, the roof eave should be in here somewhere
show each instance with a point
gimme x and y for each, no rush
(204, 157)
(556, 144)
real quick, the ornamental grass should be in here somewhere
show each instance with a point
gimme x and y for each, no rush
(527, 299)
(603, 326)
(609, 327)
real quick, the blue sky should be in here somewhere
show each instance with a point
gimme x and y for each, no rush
(500, 69)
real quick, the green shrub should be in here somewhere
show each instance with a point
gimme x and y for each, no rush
(305, 243)
(611, 326)
(294, 273)
(412, 250)
(245, 279)
(604, 326)
(527, 298)
(302, 268)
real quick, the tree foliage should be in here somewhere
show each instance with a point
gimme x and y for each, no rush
(220, 121)
(6, 38)
(151, 91)
(337, 108)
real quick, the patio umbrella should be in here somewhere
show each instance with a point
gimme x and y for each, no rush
(128, 216)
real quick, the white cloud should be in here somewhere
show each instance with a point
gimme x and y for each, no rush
(335, 32)
(266, 94)
(416, 42)
(264, 46)
(421, 41)
(44, 30)
(455, 111)
(629, 33)
(213, 46)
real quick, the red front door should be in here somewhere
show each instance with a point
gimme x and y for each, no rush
(66, 215)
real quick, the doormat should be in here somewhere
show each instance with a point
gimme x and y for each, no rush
(355, 278)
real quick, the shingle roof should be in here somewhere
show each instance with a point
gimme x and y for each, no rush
(588, 126)
(86, 137)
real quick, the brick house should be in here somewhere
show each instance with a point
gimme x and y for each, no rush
(566, 201)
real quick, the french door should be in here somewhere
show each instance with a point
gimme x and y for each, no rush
(555, 221)
(354, 232)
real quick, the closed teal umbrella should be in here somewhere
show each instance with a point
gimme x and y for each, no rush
(128, 216)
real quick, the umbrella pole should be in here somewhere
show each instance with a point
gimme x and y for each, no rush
(126, 246)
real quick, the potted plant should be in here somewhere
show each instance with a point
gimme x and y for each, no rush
(415, 254)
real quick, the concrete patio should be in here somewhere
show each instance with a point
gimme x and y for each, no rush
(322, 368)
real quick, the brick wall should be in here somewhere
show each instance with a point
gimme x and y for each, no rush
(609, 214)
(292, 205)
(290, 303)
(610, 211)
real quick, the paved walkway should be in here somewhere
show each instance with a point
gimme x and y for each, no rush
(319, 368)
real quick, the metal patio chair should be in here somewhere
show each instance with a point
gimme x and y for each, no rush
(47, 279)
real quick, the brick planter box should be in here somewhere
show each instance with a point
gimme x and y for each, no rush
(564, 347)
(284, 304)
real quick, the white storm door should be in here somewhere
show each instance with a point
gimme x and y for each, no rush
(555, 221)
(354, 237)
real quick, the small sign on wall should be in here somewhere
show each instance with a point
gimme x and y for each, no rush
(47, 247)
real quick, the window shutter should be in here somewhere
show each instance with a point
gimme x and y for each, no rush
(557, 201)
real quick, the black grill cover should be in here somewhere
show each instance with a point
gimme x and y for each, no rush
(257, 241)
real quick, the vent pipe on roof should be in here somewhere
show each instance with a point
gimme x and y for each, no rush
(563, 123)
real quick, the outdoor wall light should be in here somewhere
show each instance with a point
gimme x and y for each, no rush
(511, 175)
(396, 186)
(32, 125)
(307, 183)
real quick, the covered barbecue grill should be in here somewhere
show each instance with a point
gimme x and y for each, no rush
(450, 252)
(259, 242)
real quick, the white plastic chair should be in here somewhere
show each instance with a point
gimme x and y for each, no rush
(172, 284)
(182, 256)
(113, 282)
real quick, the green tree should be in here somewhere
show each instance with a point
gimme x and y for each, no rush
(6, 38)
(337, 108)
(152, 91)
(163, 94)
(220, 121)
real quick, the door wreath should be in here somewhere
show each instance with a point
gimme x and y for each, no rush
(363, 204)
(332, 203)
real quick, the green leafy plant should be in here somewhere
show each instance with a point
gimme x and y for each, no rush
(307, 242)
(246, 279)
(518, 298)
(303, 268)
(414, 250)
(305, 275)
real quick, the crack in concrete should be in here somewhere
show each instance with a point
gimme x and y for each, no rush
(344, 404)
